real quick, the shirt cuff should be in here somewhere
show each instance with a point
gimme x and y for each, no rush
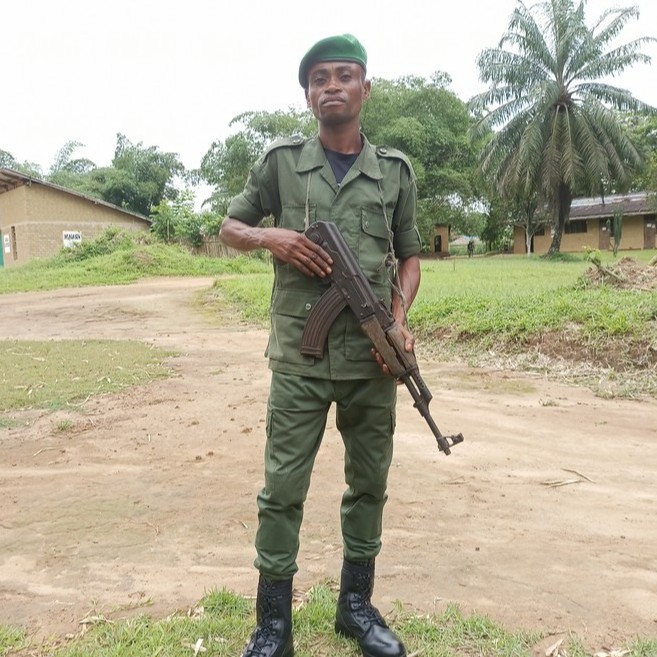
(407, 243)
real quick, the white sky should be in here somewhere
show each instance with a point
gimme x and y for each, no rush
(174, 75)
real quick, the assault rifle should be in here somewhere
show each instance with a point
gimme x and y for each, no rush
(350, 287)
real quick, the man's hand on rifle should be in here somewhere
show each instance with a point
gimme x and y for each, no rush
(297, 250)
(409, 345)
(285, 245)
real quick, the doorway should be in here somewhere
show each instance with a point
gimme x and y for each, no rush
(650, 232)
(603, 239)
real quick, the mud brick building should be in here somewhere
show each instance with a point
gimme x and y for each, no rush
(38, 218)
(590, 225)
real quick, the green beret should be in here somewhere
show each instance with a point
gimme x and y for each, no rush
(340, 48)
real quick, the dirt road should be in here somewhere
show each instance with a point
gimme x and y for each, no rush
(149, 499)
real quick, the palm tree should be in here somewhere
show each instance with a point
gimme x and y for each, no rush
(559, 129)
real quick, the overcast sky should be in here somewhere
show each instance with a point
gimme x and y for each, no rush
(174, 75)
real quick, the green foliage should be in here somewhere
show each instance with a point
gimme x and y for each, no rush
(110, 240)
(560, 132)
(139, 178)
(165, 225)
(226, 164)
(223, 602)
(421, 117)
(644, 648)
(210, 222)
(430, 124)
(68, 172)
(127, 257)
(7, 161)
(176, 221)
(497, 231)
(643, 131)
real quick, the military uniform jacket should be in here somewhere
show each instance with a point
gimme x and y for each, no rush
(374, 207)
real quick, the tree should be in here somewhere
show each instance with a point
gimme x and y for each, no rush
(176, 220)
(617, 229)
(69, 172)
(644, 135)
(421, 117)
(560, 132)
(226, 165)
(430, 124)
(7, 161)
(139, 178)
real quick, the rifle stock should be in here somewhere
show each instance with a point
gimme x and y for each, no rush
(349, 287)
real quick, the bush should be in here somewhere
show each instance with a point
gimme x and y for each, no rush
(112, 239)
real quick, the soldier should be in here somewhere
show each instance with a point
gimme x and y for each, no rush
(370, 193)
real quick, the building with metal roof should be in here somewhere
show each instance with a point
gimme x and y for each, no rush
(591, 221)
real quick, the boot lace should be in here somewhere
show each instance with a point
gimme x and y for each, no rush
(366, 610)
(264, 635)
(360, 601)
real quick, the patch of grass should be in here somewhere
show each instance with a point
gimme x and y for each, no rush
(521, 313)
(115, 259)
(8, 423)
(59, 373)
(249, 294)
(222, 622)
(11, 639)
(63, 426)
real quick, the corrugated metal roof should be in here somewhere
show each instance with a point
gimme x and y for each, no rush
(636, 203)
(12, 179)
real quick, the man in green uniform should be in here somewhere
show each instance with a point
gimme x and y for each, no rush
(370, 193)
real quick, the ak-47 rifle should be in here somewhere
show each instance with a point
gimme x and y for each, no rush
(350, 287)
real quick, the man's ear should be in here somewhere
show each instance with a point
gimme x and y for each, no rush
(367, 88)
(305, 91)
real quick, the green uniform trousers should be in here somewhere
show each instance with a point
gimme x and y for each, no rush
(296, 419)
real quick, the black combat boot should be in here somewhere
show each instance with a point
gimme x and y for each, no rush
(357, 618)
(272, 636)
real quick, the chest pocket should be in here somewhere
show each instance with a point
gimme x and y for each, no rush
(373, 244)
(294, 216)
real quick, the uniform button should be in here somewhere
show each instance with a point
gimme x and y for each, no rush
(309, 306)
(367, 224)
(383, 151)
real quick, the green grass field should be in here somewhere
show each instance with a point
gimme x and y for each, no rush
(519, 312)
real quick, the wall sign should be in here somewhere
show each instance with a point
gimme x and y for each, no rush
(72, 238)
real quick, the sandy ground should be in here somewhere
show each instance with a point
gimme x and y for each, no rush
(148, 501)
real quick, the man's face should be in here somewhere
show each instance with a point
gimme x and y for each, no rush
(336, 91)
